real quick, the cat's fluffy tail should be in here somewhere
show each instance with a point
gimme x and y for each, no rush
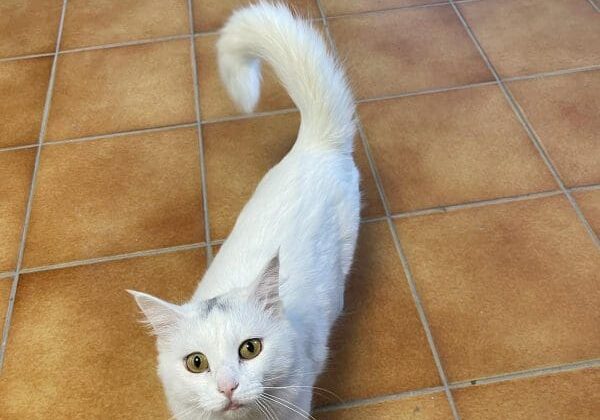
(301, 60)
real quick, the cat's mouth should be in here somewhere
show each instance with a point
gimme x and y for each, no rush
(233, 406)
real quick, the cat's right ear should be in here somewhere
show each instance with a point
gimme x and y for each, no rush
(159, 315)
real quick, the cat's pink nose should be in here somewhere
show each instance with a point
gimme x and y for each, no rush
(227, 387)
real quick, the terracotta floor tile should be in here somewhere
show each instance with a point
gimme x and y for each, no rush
(114, 196)
(238, 155)
(75, 339)
(531, 36)
(452, 147)
(5, 285)
(379, 347)
(431, 50)
(134, 87)
(589, 202)
(16, 168)
(565, 113)
(341, 7)
(506, 287)
(572, 395)
(210, 15)
(426, 407)
(23, 86)
(28, 27)
(97, 22)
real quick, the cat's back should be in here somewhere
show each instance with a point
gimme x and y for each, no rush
(307, 209)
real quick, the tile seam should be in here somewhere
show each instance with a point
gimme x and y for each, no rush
(415, 296)
(394, 9)
(201, 151)
(122, 44)
(362, 402)
(262, 114)
(487, 380)
(594, 5)
(112, 258)
(25, 57)
(475, 204)
(373, 219)
(118, 257)
(591, 187)
(531, 133)
(27, 216)
(528, 373)
(119, 134)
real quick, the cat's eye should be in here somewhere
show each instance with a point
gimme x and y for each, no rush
(250, 348)
(196, 363)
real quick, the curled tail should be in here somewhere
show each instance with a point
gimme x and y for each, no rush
(299, 56)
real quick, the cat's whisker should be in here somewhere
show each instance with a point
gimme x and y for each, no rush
(185, 412)
(263, 409)
(292, 373)
(308, 388)
(290, 405)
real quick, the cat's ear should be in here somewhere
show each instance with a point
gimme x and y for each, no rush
(159, 315)
(266, 288)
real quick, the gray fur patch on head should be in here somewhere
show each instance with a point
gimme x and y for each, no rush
(215, 303)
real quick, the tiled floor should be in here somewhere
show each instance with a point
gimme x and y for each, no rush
(476, 287)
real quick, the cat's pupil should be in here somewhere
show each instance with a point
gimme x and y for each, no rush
(250, 347)
(197, 361)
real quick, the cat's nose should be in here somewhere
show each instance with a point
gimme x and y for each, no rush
(227, 387)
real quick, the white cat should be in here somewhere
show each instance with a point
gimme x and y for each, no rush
(253, 338)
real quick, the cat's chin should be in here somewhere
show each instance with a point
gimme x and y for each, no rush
(235, 411)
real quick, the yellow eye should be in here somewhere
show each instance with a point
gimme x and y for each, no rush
(250, 348)
(196, 363)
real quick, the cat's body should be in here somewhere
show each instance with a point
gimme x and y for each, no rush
(279, 277)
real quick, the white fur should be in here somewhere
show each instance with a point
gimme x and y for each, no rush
(305, 211)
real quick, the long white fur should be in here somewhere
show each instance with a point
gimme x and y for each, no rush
(305, 210)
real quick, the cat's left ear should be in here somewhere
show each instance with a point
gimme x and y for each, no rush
(161, 316)
(266, 288)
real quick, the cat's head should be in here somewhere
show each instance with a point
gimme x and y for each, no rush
(223, 354)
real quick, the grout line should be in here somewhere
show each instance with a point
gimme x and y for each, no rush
(116, 257)
(594, 5)
(475, 204)
(528, 373)
(379, 399)
(397, 8)
(397, 243)
(119, 134)
(426, 91)
(585, 188)
(250, 115)
(25, 57)
(388, 9)
(291, 110)
(374, 219)
(207, 33)
(27, 217)
(124, 44)
(422, 316)
(553, 73)
(6, 274)
(194, 63)
(527, 126)
(505, 377)
(13, 148)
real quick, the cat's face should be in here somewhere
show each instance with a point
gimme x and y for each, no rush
(223, 355)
